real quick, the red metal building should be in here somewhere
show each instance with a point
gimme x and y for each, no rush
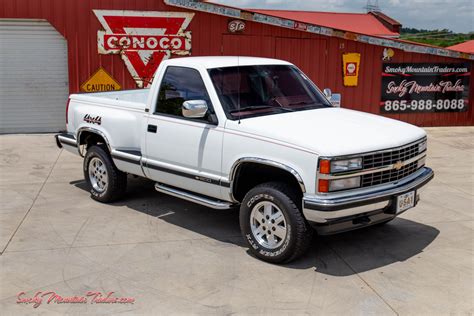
(317, 50)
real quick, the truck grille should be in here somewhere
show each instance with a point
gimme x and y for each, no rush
(378, 167)
(389, 175)
(390, 157)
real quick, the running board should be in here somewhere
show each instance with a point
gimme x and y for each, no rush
(192, 197)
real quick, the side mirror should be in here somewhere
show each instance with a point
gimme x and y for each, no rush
(327, 93)
(336, 100)
(194, 108)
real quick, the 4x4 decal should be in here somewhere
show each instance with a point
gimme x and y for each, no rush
(93, 119)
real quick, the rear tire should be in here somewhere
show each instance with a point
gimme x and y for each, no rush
(105, 181)
(273, 225)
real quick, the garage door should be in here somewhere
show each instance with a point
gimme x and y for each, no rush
(33, 77)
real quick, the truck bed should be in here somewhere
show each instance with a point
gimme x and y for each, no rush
(118, 115)
(130, 99)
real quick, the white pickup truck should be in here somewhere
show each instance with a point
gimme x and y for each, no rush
(254, 133)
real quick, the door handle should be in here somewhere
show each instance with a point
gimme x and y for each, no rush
(152, 128)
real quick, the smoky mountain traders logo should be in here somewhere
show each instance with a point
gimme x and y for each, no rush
(423, 87)
(144, 39)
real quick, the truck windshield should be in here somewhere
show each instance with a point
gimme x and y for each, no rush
(250, 91)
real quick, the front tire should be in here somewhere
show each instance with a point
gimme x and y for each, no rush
(105, 181)
(273, 225)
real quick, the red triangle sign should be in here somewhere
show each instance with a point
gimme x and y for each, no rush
(144, 39)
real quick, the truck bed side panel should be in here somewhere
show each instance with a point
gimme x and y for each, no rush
(118, 122)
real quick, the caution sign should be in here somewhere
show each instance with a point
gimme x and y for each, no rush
(100, 81)
(351, 64)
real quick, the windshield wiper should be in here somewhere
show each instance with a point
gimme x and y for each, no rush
(301, 103)
(305, 105)
(255, 107)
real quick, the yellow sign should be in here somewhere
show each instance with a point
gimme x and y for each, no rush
(100, 81)
(388, 53)
(351, 65)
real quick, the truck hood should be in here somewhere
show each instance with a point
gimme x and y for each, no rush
(332, 131)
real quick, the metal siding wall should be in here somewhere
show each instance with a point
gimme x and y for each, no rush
(33, 77)
(76, 21)
(243, 45)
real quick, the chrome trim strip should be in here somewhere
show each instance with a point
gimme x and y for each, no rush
(262, 161)
(372, 170)
(127, 156)
(188, 196)
(155, 165)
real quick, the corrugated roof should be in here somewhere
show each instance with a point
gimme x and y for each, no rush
(315, 28)
(466, 47)
(362, 23)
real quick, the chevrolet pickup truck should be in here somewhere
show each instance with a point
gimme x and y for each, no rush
(253, 133)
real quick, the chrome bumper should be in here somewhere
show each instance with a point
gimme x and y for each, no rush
(66, 141)
(327, 209)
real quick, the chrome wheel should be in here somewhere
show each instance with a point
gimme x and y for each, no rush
(98, 175)
(268, 225)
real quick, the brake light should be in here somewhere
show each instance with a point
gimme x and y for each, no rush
(67, 109)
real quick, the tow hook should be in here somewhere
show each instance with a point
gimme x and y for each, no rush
(361, 220)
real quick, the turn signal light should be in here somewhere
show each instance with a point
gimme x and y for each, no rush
(324, 166)
(323, 185)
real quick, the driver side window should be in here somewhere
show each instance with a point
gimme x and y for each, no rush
(180, 84)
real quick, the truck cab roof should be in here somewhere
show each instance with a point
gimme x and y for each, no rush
(222, 61)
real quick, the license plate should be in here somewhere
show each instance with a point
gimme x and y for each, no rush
(405, 201)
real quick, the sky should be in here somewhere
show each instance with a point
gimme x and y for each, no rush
(455, 15)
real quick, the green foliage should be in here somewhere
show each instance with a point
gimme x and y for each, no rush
(442, 38)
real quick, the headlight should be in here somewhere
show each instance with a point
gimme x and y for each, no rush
(422, 147)
(344, 184)
(346, 165)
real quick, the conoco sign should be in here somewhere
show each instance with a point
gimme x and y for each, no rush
(144, 39)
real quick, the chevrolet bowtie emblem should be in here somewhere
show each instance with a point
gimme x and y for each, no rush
(398, 165)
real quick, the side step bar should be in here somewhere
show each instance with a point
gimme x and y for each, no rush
(192, 197)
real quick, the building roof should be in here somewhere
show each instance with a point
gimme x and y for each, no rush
(316, 27)
(362, 23)
(466, 47)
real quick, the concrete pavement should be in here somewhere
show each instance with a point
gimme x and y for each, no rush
(174, 257)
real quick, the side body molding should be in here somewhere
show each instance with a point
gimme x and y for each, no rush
(267, 162)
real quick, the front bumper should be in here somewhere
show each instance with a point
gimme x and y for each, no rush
(336, 214)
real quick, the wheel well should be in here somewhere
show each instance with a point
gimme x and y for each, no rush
(90, 138)
(250, 174)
